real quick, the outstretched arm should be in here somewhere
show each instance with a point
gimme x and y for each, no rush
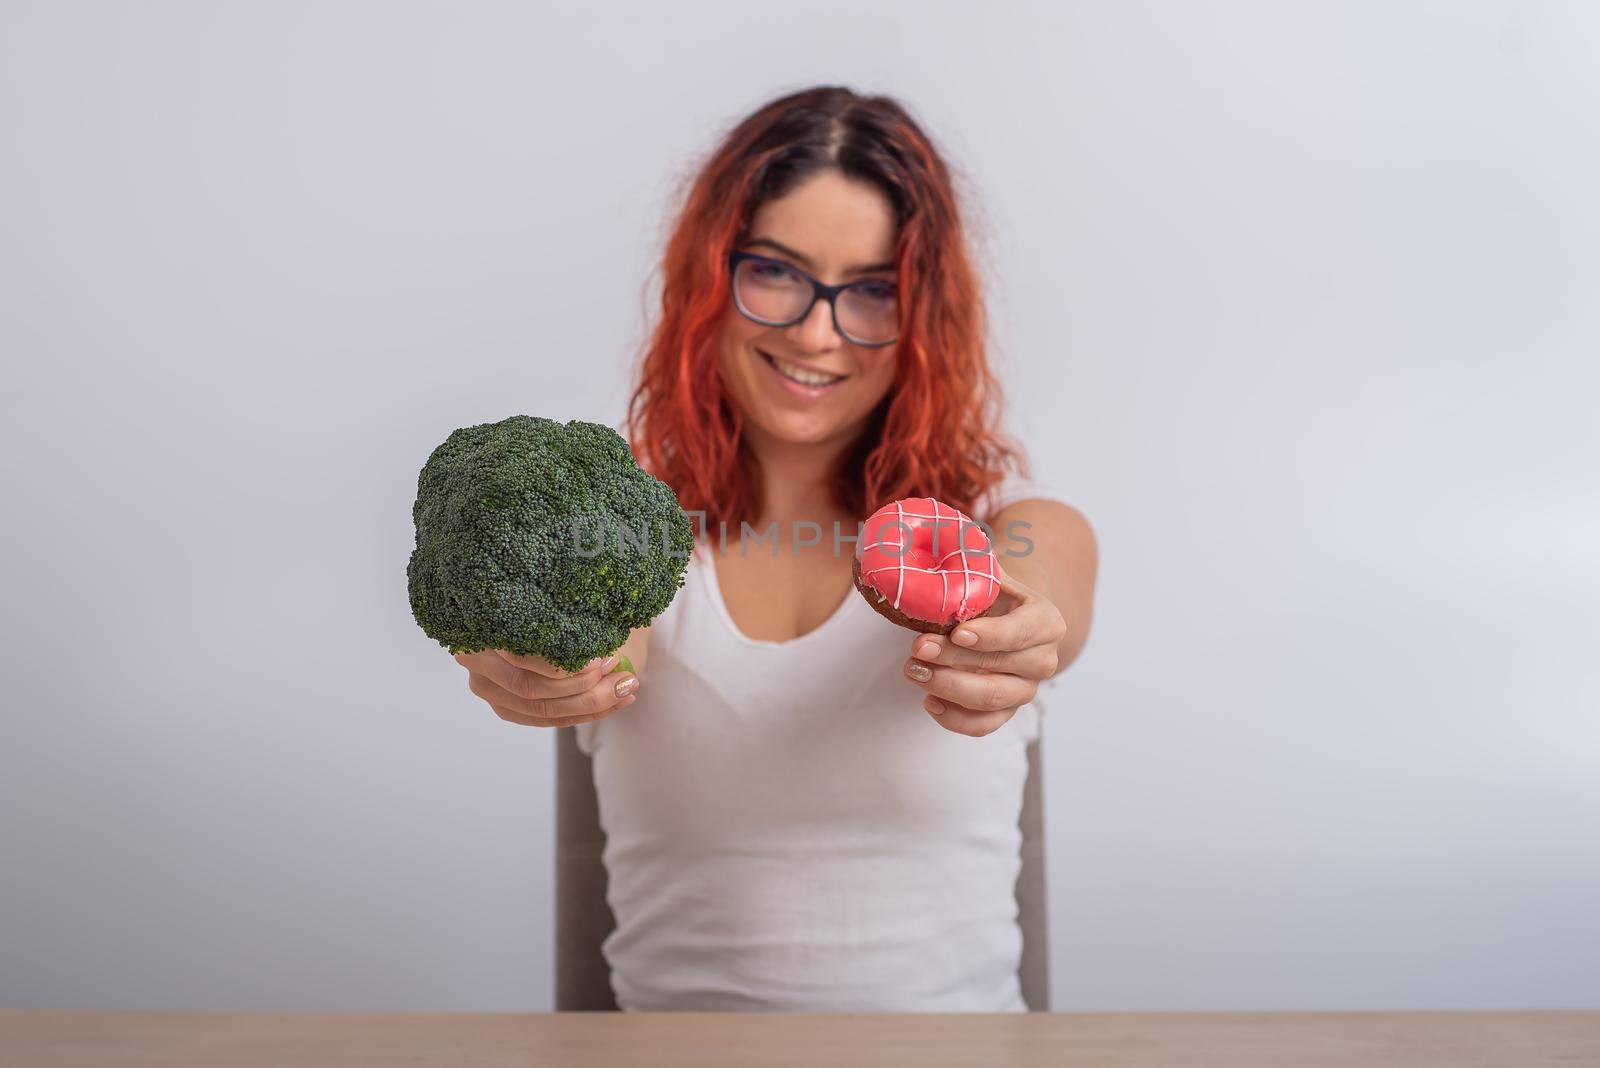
(983, 671)
(1062, 564)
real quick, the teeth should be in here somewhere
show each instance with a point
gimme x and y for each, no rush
(801, 375)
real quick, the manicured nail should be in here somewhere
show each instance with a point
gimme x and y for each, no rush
(934, 705)
(920, 672)
(964, 637)
(607, 664)
(627, 686)
(927, 649)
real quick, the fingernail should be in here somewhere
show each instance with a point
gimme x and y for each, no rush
(610, 662)
(920, 672)
(927, 649)
(933, 705)
(964, 637)
(627, 686)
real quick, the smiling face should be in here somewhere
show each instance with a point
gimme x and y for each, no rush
(805, 384)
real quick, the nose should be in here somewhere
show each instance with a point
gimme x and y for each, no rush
(815, 333)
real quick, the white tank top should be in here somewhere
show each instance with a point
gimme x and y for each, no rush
(788, 830)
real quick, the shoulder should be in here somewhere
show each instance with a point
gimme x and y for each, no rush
(1038, 510)
(1015, 488)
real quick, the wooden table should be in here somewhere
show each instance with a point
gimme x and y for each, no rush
(49, 1039)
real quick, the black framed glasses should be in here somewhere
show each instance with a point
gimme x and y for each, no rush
(773, 292)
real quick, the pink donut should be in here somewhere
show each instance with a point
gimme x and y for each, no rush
(926, 565)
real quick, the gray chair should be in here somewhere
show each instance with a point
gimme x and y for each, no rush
(584, 918)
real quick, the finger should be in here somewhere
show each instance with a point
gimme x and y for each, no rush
(509, 709)
(966, 721)
(539, 665)
(601, 696)
(980, 691)
(570, 721)
(1037, 662)
(1033, 622)
(530, 685)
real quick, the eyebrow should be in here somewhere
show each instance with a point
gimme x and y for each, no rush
(805, 261)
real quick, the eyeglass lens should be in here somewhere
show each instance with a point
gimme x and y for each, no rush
(868, 311)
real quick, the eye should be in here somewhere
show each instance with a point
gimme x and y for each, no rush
(883, 291)
(772, 271)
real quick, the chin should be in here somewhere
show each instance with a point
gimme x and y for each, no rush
(801, 429)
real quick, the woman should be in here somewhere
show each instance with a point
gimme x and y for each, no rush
(785, 829)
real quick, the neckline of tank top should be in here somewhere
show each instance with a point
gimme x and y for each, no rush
(708, 572)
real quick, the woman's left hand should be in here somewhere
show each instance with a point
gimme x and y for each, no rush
(982, 672)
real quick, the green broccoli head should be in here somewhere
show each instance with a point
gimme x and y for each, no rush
(542, 537)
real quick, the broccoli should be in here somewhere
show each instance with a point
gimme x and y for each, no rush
(536, 536)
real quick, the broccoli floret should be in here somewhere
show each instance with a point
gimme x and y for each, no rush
(542, 537)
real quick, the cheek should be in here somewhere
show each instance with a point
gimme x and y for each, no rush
(731, 348)
(879, 377)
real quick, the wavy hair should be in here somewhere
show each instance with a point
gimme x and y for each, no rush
(936, 432)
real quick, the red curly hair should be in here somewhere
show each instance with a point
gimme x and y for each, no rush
(935, 434)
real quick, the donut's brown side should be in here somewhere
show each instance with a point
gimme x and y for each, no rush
(887, 610)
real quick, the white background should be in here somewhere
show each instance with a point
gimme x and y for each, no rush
(1299, 302)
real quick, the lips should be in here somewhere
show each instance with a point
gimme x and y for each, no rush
(800, 374)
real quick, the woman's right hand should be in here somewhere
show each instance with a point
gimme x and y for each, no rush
(532, 692)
